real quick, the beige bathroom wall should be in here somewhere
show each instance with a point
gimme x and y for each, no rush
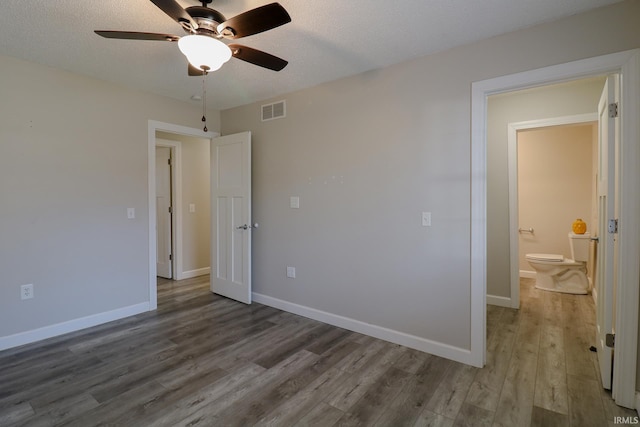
(555, 168)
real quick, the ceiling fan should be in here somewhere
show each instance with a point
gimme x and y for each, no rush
(206, 27)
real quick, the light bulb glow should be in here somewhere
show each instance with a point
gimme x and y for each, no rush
(204, 51)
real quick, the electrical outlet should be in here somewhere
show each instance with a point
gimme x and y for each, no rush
(291, 272)
(131, 213)
(26, 291)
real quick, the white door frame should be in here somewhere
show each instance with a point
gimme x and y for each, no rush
(626, 326)
(151, 193)
(512, 148)
(176, 205)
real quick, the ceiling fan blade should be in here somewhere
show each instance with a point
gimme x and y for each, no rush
(177, 13)
(254, 21)
(257, 57)
(134, 35)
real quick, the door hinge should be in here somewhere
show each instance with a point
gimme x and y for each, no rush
(610, 340)
(613, 109)
(613, 226)
(169, 162)
(170, 209)
(170, 257)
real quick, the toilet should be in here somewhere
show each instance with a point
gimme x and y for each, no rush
(559, 274)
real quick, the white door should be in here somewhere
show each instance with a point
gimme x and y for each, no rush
(605, 274)
(163, 212)
(231, 216)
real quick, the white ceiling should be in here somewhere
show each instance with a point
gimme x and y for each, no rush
(326, 40)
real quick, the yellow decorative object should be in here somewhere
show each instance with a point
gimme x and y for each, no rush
(579, 226)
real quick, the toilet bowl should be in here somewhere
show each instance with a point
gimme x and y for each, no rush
(559, 274)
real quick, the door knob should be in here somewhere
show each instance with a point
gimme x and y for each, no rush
(245, 226)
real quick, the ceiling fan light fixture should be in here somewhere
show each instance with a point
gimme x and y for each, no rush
(204, 51)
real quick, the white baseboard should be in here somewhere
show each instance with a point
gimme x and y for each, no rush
(45, 332)
(499, 301)
(527, 274)
(638, 403)
(193, 273)
(432, 347)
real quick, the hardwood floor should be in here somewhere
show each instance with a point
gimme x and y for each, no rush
(201, 359)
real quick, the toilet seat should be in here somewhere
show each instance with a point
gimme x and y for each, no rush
(545, 257)
(550, 259)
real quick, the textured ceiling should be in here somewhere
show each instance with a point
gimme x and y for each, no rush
(326, 40)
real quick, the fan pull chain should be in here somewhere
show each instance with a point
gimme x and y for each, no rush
(204, 99)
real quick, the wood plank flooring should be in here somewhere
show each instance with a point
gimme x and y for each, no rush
(204, 360)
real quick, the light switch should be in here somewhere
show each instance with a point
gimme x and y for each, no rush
(192, 207)
(294, 202)
(131, 213)
(291, 272)
(426, 219)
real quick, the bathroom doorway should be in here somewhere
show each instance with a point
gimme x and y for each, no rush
(556, 175)
(552, 182)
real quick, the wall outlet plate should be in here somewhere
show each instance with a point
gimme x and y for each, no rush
(26, 291)
(291, 272)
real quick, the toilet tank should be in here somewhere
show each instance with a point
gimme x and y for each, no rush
(579, 244)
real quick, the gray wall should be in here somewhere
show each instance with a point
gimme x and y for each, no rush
(567, 99)
(73, 158)
(397, 141)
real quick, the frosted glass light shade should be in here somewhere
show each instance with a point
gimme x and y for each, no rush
(204, 51)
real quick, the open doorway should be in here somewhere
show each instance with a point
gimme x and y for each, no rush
(190, 206)
(182, 205)
(510, 114)
(628, 64)
(556, 185)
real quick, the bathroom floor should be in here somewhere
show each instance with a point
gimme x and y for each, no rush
(539, 358)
